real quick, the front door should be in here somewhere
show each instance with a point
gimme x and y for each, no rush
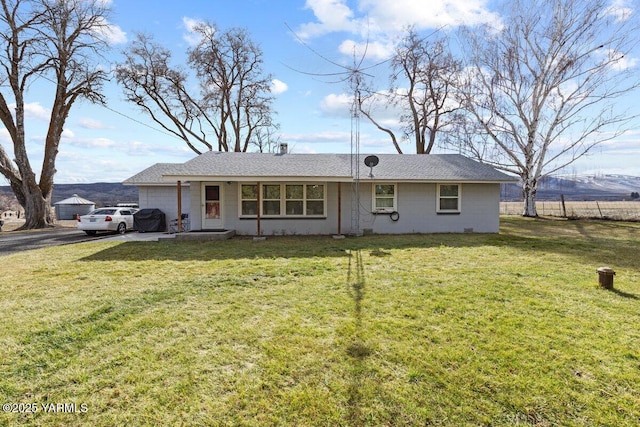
(212, 207)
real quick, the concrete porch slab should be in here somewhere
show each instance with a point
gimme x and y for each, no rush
(205, 235)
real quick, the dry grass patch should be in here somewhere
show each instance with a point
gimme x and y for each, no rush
(379, 330)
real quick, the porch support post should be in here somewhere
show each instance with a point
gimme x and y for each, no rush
(258, 211)
(179, 207)
(339, 208)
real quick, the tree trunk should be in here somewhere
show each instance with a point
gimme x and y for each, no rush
(529, 191)
(38, 210)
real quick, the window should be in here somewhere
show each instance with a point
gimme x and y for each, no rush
(384, 198)
(212, 201)
(315, 199)
(448, 200)
(283, 200)
(295, 199)
(249, 199)
(271, 199)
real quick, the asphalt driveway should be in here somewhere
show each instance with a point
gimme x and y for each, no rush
(17, 241)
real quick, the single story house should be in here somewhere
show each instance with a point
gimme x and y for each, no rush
(305, 194)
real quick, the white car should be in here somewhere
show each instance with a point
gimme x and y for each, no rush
(116, 219)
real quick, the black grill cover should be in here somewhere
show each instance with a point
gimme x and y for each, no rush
(149, 220)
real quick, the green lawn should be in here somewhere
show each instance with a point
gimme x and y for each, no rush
(505, 329)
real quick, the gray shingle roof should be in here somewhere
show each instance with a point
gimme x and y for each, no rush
(267, 165)
(152, 174)
(333, 167)
(431, 167)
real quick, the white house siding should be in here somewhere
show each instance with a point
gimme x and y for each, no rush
(195, 205)
(283, 226)
(164, 198)
(416, 206)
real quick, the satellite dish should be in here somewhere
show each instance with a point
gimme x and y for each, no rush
(371, 161)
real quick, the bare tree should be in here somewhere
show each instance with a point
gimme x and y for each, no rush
(266, 139)
(159, 90)
(542, 90)
(423, 78)
(233, 100)
(52, 41)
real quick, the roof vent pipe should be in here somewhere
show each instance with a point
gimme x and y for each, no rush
(284, 148)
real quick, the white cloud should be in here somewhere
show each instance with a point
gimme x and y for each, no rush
(191, 36)
(5, 138)
(319, 137)
(88, 123)
(620, 9)
(620, 62)
(191, 23)
(113, 34)
(376, 50)
(397, 14)
(88, 142)
(383, 19)
(332, 15)
(376, 26)
(33, 110)
(177, 151)
(278, 87)
(68, 134)
(337, 105)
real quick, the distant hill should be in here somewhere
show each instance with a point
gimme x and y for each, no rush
(585, 187)
(101, 193)
(592, 187)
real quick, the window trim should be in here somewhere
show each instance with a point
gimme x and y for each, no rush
(241, 200)
(374, 197)
(283, 200)
(439, 198)
(264, 199)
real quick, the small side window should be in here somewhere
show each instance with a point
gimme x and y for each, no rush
(385, 198)
(448, 198)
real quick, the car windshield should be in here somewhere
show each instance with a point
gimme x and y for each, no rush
(103, 212)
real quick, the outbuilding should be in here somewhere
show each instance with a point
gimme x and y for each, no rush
(74, 205)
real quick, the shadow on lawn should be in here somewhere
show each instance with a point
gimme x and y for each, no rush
(357, 351)
(275, 247)
(601, 243)
(597, 242)
(624, 294)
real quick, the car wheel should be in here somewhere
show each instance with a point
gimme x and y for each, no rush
(90, 232)
(122, 228)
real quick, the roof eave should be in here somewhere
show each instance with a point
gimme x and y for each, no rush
(438, 180)
(243, 178)
(152, 184)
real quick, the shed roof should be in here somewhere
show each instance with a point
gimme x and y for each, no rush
(75, 200)
(226, 166)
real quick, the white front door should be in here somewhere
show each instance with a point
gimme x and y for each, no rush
(212, 207)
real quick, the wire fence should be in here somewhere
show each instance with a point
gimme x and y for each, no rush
(622, 211)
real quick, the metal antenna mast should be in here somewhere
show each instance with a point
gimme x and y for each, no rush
(355, 80)
(354, 76)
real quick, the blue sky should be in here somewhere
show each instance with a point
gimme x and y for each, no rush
(110, 144)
